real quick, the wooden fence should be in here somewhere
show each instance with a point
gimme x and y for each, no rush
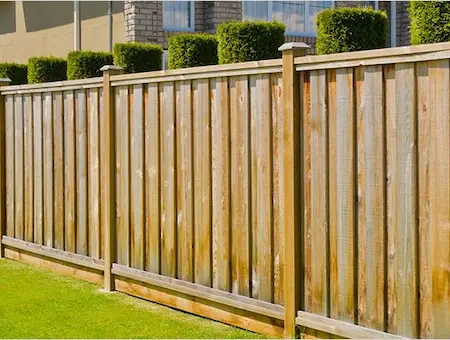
(308, 191)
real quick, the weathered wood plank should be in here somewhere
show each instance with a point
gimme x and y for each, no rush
(9, 136)
(405, 199)
(240, 185)
(319, 193)
(185, 185)
(47, 123)
(342, 226)
(122, 176)
(371, 217)
(220, 154)
(93, 151)
(202, 183)
(38, 170)
(81, 172)
(19, 167)
(152, 180)
(168, 181)
(137, 177)
(58, 168)
(28, 167)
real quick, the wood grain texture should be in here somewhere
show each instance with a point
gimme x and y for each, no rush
(70, 190)
(152, 180)
(185, 185)
(47, 126)
(18, 167)
(58, 169)
(168, 181)
(405, 199)
(220, 142)
(10, 187)
(342, 224)
(122, 175)
(371, 193)
(319, 193)
(202, 183)
(28, 167)
(137, 178)
(38, 213)
(93, 152)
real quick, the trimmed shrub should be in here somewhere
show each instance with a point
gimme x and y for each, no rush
(136, 57)
(16, 72)
(87, 64)
(350, 29)
(46, 69)
(249, 40)
(191, 50)
(430, 22)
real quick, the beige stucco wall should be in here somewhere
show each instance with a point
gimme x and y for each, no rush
(44, 28)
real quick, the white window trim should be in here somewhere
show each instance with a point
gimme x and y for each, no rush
(306, 19)
(183, 29)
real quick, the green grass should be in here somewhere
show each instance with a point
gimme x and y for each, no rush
(36, 303)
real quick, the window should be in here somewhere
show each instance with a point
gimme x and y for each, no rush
(299, 16)
(178, 15)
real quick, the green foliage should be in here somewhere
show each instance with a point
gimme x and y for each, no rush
(350, 29)
(191, 50)
(249, 40)
(46, 69)
(16, 72)
(136, 57)
(87, 64)
(430, 22)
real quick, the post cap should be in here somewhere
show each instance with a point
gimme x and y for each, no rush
(293, 46)
(4, 81)
(111, 68)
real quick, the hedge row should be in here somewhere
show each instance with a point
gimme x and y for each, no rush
(430, 22)
(87, 64)
(191, 50)
(16, 72)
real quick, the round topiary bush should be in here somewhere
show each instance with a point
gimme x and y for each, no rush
(134, 57)
(350, 29)
(191, 50)
(46, 69)
(430, 22)
(16, 72)
(249, 40)
(87, 64)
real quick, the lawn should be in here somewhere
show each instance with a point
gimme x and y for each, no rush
(36, 303)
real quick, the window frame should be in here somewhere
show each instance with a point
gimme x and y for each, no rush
(182, 29)
(305, 34)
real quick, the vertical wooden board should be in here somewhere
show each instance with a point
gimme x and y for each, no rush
(95, 244)
(391, 187)
(102, 227)
(137, 177)
(47, 128)
(306, 187)
(342, 225)
(69, 173)
(405, 199)
(168, 181)
(220, 152)
(19, 167)
(81, 172)
(58, 179)
(371, 193)
(261, 163)
(38, 178)
(9, 135)
(122, 176)
(28, 166)
(278, 232)
(240, 185)
(319, 193)
(185, 187)
(152, 180)
(202, 183)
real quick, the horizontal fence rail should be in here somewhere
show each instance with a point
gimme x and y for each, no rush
(310, 191)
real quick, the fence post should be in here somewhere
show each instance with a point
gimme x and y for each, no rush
(291, 177)
(3, 82)
(107, 167)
